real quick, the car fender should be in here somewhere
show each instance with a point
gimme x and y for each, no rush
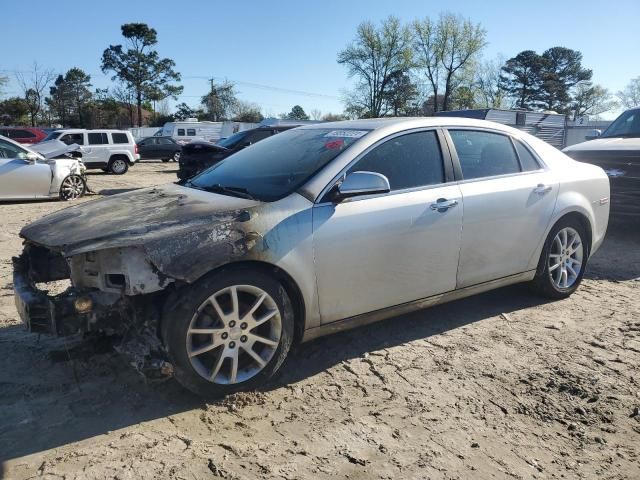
(131, 158)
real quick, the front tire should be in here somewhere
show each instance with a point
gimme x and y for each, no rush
(72, 187)
(563, 260)
(228, 332)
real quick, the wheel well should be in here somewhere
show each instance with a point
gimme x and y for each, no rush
(586, 224)
(290, 286)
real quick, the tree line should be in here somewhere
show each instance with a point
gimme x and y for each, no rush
(417, 68)
(435, 64)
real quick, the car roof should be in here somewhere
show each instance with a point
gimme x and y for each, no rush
(404, 123)
(89, 130)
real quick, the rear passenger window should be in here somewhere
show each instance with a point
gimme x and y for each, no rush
(484, 154)
(120, 138)
(95, 138)
(412, 160)
(181, 132)
(191, 132)
(22, 134)
(527, 160)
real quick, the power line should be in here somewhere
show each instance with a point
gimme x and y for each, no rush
(259, 86)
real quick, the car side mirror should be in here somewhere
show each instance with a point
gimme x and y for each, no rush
(595, 133)
(362, 183)
(31, 157)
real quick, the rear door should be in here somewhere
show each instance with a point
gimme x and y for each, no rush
(508, 198)
(98, 149)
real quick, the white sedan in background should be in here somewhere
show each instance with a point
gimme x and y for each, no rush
(39, 172)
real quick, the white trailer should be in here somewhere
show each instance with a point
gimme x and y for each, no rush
(191, 129)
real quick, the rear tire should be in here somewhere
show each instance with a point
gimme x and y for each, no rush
(239, 345)
(118, 165)
(176, 156)
(563, 260)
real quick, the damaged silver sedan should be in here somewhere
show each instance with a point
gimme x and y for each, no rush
(45, 170)
(314, 230)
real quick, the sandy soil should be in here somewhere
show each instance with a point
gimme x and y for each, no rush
(501, 385)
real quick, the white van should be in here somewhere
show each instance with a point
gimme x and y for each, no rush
(191, 129)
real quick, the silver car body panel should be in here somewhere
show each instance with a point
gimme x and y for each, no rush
(22, 179)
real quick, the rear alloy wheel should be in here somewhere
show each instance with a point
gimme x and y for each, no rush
(176, 157)
(228, 333)
(563, 260)
(118, 166)
(72, 187)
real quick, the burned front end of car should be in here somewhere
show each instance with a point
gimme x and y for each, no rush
(108, 291)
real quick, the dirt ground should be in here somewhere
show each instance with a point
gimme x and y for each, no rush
(501, 385)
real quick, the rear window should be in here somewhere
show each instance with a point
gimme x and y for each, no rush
(96, 138)
(527, 160)
(20, 134)
(120, 138)
(191, 132)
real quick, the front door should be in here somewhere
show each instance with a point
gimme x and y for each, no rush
(508, 202)
(379, 251)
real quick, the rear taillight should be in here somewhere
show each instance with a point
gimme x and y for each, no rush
(136, 149)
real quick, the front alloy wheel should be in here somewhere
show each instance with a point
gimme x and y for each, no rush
(229, 331)
(72, 187)
(234, 334)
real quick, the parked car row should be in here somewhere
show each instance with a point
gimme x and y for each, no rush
(200, 155)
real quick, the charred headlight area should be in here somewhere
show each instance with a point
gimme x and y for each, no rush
(111, 291)
(126, 271)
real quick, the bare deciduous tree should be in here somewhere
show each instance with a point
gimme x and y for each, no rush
(442, 50)
(630, 95)
(591, 99)
(376, 54)
(315, 114)
(33, 86)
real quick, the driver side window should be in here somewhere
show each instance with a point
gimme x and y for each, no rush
(8, 150)
(408, 161)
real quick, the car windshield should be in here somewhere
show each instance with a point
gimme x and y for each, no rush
(626, 125)
(232, 140)
(52, 136)
(273, 168)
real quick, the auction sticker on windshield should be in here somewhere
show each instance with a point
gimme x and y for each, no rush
(347, 133)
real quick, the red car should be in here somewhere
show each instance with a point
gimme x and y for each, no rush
(27, 135)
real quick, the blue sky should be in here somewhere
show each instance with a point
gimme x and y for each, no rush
(276, 49)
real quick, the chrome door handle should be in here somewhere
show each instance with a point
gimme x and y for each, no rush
(542, 189)
(443, 204)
